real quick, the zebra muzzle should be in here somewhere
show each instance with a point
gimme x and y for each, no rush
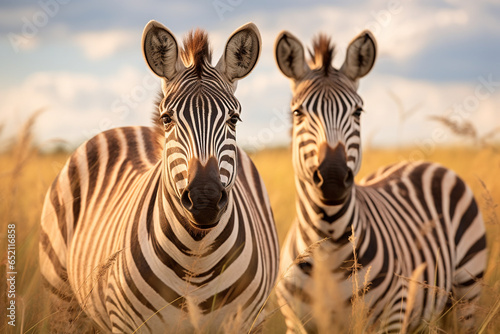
(333, 178)
(205, 199)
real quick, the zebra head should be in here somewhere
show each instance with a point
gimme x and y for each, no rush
(326, 111)
(199, 113)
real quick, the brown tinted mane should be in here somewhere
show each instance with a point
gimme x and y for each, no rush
(196, 49)
(323, 52)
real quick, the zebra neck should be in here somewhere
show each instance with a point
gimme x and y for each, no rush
(322, 221)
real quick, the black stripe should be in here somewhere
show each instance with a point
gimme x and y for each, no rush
(466, 221)
(456, 194)
(60, 211)
(60, 270)
(74, 178)
(152, 147)
(477, 247)
(92, 152)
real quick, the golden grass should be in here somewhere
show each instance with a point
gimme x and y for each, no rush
(22, 191)
(26, 174)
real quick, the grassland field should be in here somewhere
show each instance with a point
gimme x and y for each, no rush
(26, 174)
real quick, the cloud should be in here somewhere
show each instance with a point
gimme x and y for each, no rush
(98, 45)
(404, 29)
(79, 105)
(387, 98)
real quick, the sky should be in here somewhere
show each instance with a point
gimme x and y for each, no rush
(79, 65)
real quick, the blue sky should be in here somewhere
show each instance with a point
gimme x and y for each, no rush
(81, 62)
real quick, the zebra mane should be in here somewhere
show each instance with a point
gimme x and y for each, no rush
(323, 52)
(196, 50)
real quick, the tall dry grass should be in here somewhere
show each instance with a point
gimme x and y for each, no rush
(25, 175)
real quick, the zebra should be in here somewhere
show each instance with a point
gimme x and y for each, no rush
(166, 228)
(411, 221)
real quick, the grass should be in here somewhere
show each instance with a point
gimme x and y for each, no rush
(26, 174)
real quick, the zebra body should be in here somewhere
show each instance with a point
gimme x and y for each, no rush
(164, 231)
(407, 222)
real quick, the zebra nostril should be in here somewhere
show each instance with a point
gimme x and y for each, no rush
(222, 200)
(186, 200)
(317, 178)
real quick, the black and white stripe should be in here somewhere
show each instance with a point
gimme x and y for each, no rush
(404, 216)
(120, 239)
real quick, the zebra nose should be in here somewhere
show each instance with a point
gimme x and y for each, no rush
(333, 178)
(204, 205)
(212, 198)
(204, 199)
(207, 196)
(347, 181)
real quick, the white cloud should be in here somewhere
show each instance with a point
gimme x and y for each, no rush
(98, 45)
(383, 125)
(414, 29)
(402, 30)
(79, 105)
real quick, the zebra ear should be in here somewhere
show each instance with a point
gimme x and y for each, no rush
(360, 56)
(160, 50)
(289, 54)
(241, 53)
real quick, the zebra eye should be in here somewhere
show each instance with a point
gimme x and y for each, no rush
(358, 112)
(234, 119)
(298, 113)
(166, 119)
